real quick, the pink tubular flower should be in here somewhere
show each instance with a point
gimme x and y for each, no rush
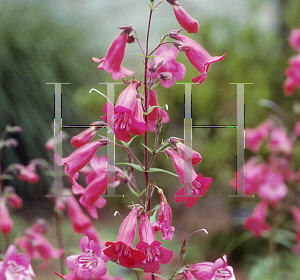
(97, 181)
(122, 249)
(111, 63)
(78, 159)
(126, 116)
(164, 217)
(84, 137)
(296, 214)
(184, 19)
(150, 247)
(280, 142)
(26, 173)
(6, 222)
(294, 39)
(81, 223)
(166, 57)
(297, 129)
(256, 136)
(38, 247)
(213, 271)
(156, 113)
(186, 152)
(254, 175)
(293, 75)
(50, 144)
(13, 199)
(88, 263)
(198, 57)
(194, 187)
(16, 266)
(138, 123)
(272, 188)
(256, 223)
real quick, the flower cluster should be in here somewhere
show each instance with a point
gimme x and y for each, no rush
(293, 72)
(135, 113)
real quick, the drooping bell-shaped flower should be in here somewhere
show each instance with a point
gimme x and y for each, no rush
(198, 57)
(195, 186)
(103, 176)
(138, 126)
(111, 63)
(164, 217)
(126, 116)
(12, 198)
(213, 271)
(184, 19)
(256, 223)
(166, 58)
(84, 137)
(156, 113)
(155, 254)
(121, 249)
(26, 173)
(16, 266)
(6, 222)
(81, 223)
(37, 246)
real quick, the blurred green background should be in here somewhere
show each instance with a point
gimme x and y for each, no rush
(54, 41)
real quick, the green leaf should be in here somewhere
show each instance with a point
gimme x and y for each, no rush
(138, 54)
(134, 192)
(154, 86)
(134, 165)
(285, 238)
(153, 169)
(149, 149)
(150, 6)
(166, 144)
(6, 177)
(126, 144)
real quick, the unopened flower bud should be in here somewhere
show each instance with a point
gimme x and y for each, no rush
(165, 76)
(122, 177)
(174, 140)
(11, 143)
(158, 125)
(173, 2)
(130, 39)
(173, 33)
(183, 248)
(126, 29)
(154, 65)
(184, 47)
(84, 137)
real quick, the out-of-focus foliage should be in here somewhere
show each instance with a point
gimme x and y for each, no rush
(36, 48)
